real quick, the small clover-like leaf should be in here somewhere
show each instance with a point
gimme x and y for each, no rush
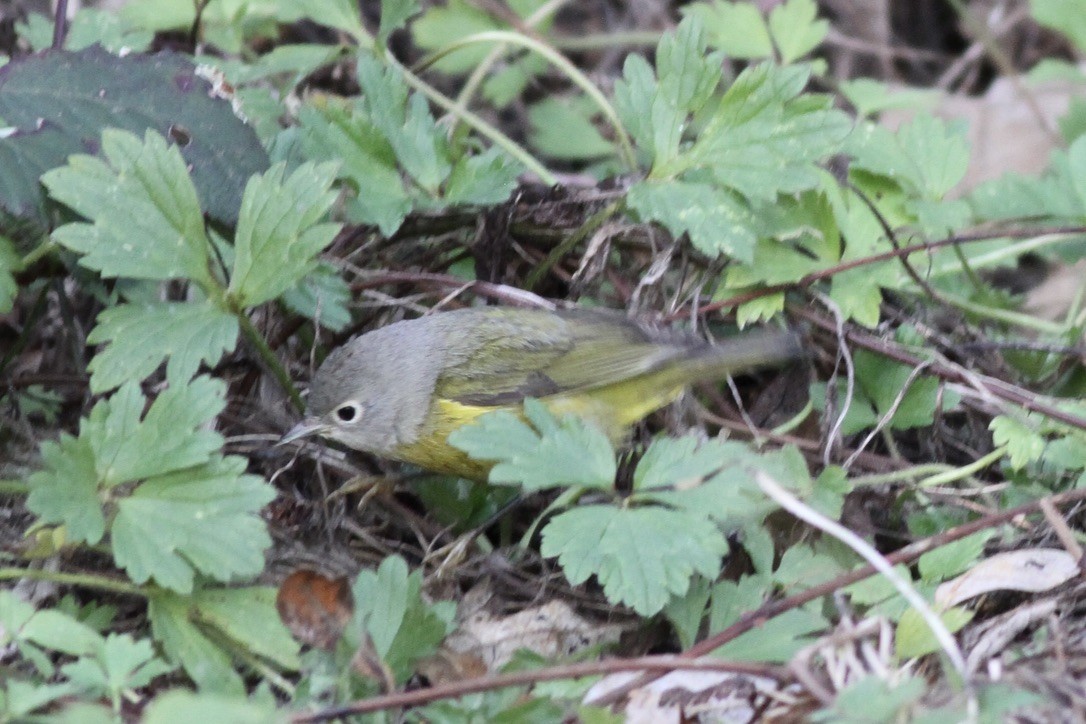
(141, 336)
(641, 556)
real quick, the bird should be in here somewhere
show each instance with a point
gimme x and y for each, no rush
(400, 390)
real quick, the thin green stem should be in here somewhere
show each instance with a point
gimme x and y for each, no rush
(796, 420)
(482, 127)
(13, 487)
(603, 41)
(38, 252)
(1003, 253)
(951, 476)
(471, 85)
(900, 476)
(559, 61)
(261, 345)
(1024, 321)
(73, 579)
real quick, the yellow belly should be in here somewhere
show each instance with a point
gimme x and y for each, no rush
(613, 409)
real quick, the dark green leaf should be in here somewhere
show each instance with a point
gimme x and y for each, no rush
(81, 93)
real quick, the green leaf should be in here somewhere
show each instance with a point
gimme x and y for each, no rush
(654, 125)
(737, 28)
(340, 14)
(248, 616)
(688, 77)
(1063, 16)
(641, 556)
(147, 219)
(564, 130)
(679, 462)
(913, 636)
(389, 607)
(10, 263)
(323, 296)
(187, 706)
(717, 221)
(278, 234)
(20, 698)
(875, 700)
(202, 519)
(778, 639)
(732, 495)
(205, 662)
(79, 95)
(65, 490)
(442, 25)
(764, 138)
(57, 631)
(141, 336)
(555, 453)
(487, 178)
(1024, 444)
(687, 612)
(928, 155)
(405, 121)
(883, 382)
(171, 436)
(111, 30)
(796, 29)
(953, 558)
(1076, 163)
(394, 15)
(366, 159)
(120, 664)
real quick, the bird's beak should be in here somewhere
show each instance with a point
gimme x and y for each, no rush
(306, 428)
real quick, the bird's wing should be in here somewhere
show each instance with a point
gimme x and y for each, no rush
(514, 354)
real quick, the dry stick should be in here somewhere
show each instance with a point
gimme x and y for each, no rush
(905, 555)
(997, 388)
(503, 292)
(455, 690)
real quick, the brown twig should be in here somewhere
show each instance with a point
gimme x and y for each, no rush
(661, 664)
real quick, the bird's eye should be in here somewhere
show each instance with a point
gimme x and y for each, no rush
(348, 412)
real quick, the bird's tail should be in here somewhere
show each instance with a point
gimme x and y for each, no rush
(744, 352)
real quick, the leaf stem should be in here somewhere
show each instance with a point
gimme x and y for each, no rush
(74, 579)
(559, 61)
(956, 474)
(268, 357)
(13, 487)
(471, 85)
(38, 252)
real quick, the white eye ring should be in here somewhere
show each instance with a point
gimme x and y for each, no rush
(349, 412)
